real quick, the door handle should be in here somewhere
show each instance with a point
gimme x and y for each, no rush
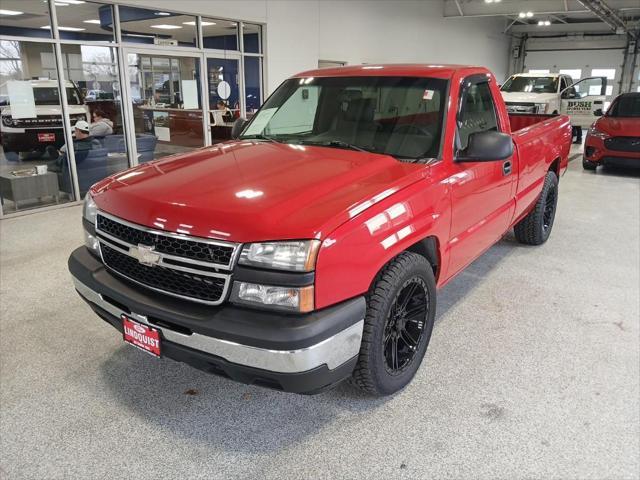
(506, 168)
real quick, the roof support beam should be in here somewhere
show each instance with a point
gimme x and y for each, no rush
(459, 8)
(608, 15)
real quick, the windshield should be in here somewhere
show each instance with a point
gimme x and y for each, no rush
(531, 85)
(49, 96)
(44, 96)
(626, 106)
(398, 116)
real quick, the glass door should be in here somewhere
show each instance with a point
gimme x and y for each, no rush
(165, 92)
(224, 95)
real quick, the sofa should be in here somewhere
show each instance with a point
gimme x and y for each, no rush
(145, 144)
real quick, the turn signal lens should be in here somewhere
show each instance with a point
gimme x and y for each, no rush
(283, 298)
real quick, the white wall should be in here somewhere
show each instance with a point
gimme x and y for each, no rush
(374, 31)
(300, 32)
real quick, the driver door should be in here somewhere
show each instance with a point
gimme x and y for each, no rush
(482, 199)
(582, 100)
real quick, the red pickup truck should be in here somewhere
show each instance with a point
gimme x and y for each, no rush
(308, 249)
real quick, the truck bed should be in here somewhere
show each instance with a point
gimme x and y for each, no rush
(520, 121)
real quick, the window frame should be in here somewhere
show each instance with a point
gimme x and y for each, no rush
(465, 84)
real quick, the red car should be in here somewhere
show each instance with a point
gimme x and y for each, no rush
(614, 139)
(309, 249)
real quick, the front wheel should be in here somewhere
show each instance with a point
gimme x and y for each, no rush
(401, 308)
(535, 228)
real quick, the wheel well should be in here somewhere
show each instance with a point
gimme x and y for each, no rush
(428, 248)
(555, 167)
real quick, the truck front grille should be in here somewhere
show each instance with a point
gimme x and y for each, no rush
(623, 144)
(204, 251)
(196, 269)
(183, 284)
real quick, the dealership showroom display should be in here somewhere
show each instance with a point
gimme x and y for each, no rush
(320, 239)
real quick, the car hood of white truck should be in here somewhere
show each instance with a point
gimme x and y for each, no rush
(526, 97)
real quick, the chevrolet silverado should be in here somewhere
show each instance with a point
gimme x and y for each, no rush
(309, 248)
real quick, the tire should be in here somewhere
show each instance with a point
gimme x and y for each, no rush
(375, 372)
(587, 165)
(535, 228)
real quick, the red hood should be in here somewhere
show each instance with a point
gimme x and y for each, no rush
(619, 126)
(254, 191)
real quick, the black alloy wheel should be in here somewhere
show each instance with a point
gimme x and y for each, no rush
(405, 325)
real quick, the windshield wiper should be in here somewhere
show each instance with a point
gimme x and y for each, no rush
(259, 136)
(336, 144)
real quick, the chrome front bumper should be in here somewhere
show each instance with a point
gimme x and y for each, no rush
(332, 352)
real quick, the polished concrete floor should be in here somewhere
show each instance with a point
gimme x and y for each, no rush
(533, 372)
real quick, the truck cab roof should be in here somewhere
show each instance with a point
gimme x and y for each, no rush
(394, 70)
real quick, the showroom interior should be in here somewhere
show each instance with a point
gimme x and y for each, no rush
(533, 367)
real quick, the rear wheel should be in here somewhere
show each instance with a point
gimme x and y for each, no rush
(535, 228)
(401, 309)
(587, 165)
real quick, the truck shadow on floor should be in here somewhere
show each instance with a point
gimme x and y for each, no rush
(626, 172)
(200, 408)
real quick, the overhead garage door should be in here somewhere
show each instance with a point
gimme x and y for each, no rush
(579, 64)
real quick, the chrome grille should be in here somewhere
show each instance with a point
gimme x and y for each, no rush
(193, 268)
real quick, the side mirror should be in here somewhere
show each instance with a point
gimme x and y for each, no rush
(487, 147)
(237, 127)
(598, 112)
(568, 94)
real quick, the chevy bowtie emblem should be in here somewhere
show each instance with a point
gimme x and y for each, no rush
(145, 255)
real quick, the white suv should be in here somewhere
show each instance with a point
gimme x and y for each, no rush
(19, 133)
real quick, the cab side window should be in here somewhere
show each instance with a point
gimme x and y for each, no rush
(478, 113)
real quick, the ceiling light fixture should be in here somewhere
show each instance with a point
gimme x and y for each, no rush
(94, 22)
(162, 14)
(166, 27)
(65, 29)
(529, 14)
(10, 12)
(204, 24)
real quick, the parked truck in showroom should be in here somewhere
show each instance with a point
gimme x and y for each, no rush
(28, 128)
(553, 93)
(309, 249)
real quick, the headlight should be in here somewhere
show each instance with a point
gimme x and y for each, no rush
(542, 107)
(594, 132)
(297, 256)
(90, 209)
(89, 212)
(282, 298)
(6, 120)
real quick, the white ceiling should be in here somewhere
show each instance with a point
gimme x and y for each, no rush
(559, 12)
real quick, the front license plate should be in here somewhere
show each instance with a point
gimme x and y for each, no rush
(46, 137)
(141, 336)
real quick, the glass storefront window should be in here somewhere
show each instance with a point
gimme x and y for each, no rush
(93, 70)
(20, 18)
(161, 104)
(219, 34)
(85, 21)
(253, 84)
(34, 169)
(157, 27)
(165, 97)
(252, 38)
